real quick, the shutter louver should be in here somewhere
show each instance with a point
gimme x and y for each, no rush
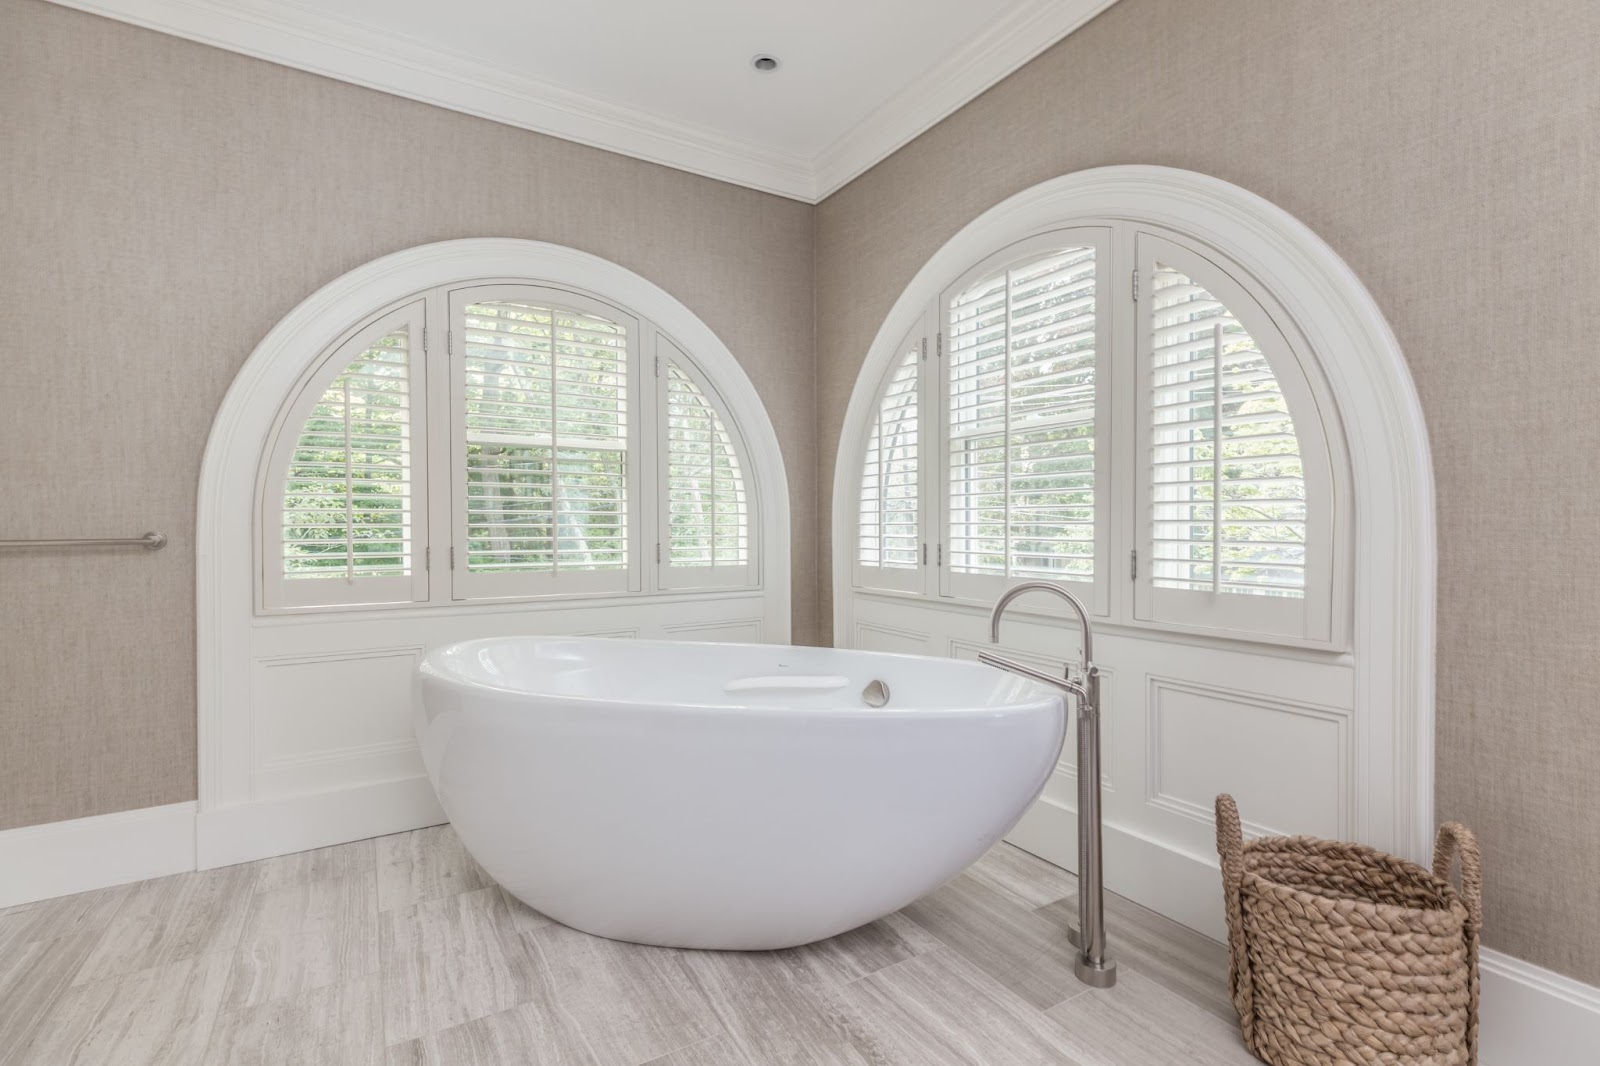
(708, 515)
(347, 490)
(1221, 437)
(1021, 348)
(546, 439)
(888, 535)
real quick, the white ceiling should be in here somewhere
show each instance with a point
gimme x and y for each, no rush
(666, 80)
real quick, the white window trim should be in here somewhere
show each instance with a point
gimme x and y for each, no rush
(227, 530)
(1391, 473)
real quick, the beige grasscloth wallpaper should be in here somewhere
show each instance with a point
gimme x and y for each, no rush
(1450, 152)
(162, 204)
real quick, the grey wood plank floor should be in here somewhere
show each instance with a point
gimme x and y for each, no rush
(401, 951)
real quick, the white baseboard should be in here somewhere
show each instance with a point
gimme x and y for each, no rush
(61, 858)
(1184, 887)
(249, 831)
(1529, 1016)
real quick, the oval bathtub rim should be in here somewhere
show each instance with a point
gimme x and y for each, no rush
(1040, 697)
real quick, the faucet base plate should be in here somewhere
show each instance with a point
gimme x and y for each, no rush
(1102, 976)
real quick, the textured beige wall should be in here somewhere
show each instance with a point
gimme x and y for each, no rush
(162, 205)
(1449, 152)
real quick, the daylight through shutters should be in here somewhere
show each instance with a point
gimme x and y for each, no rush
(889, 524)
(708, 515)
(1229, 505)
(347, 491)
(1021, 442)
(546, 439)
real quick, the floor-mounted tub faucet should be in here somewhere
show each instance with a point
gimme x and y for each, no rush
(1091, 965)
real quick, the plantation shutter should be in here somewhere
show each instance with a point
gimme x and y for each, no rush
(1233, 510)
(1022, 346)
(349, 499)
(706, 507)
(889, 534)
(544, 443)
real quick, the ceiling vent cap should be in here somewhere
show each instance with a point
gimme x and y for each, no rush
(764, 63)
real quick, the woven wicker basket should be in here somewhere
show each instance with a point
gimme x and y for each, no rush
(1340, 954)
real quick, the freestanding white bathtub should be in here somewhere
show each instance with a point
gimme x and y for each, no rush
(737, 796)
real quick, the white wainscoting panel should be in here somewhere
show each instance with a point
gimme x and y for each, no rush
(332, 702)
(1286, 763)
(874, 637)
(1182, 718)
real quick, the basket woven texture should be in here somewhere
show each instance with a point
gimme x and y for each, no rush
(1340, 954)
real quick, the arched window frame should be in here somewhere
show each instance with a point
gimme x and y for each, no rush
(439, 577)
(1390, 491)
(1320, 621)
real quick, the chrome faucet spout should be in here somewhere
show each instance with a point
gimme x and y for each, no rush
(1087, 659)
(1092, 966)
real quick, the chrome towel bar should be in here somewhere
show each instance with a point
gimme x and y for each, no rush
(152, 540)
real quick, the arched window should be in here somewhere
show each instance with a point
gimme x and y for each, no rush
(547, 405)
(1171, 420)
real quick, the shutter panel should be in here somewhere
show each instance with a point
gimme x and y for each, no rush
(1229, 506)
(889, 531)
(545, 444)
(1021, 346)
(708, 514)
(1236, 479)
(347, 530)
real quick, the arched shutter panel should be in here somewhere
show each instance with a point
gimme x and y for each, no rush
(1236, 490)
(889, 534)
(707, 510)
(543, 440)
(348, 530)
(1023, 346)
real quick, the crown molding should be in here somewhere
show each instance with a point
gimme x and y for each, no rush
(295, 36)
(298, 36)
(986, 59)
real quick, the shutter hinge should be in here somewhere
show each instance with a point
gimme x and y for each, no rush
(450, 342)
(424, 338)
(938, 344)
(427, 559)
(924, 349)
(658, 551)
(1133, 565)
(939, 556)
(1136, 283)
(924, 555)
(658, 366)
(452, 556)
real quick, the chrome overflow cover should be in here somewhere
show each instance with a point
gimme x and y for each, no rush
(876, 694)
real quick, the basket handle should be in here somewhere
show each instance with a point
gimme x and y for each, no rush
(1456, 841)
(1230, 850)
